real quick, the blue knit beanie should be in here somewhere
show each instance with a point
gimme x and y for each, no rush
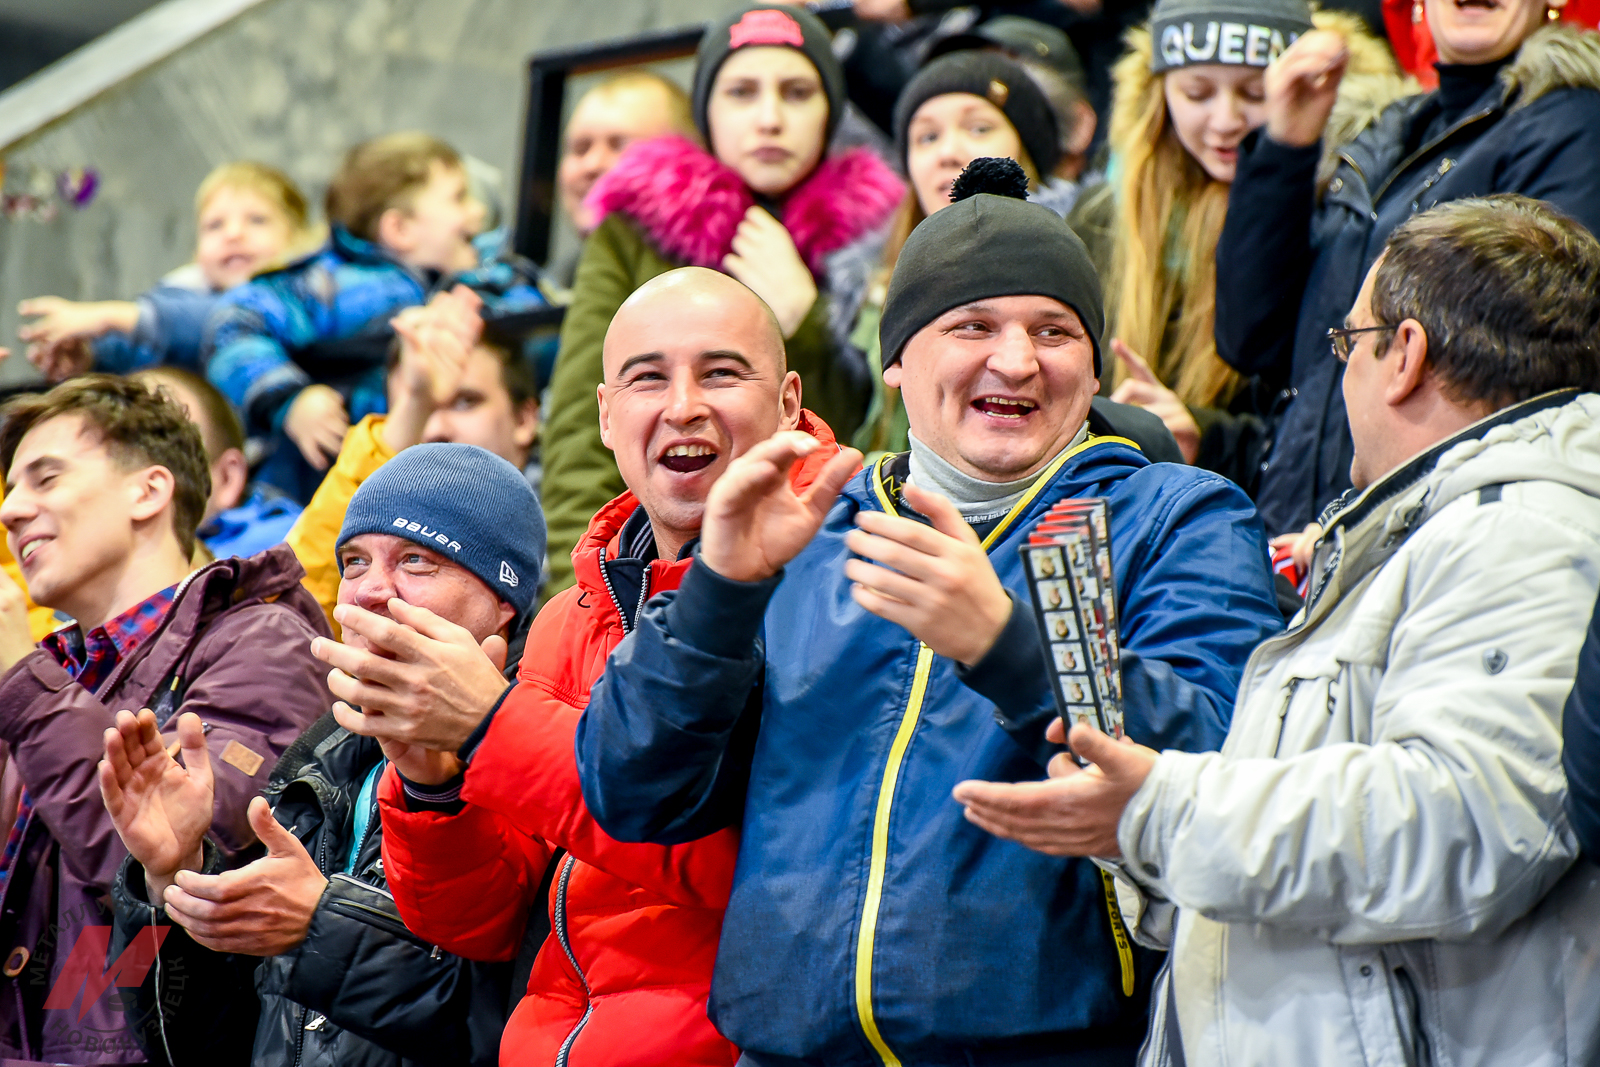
(465, 503)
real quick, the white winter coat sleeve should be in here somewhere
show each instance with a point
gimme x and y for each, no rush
(1443, 817)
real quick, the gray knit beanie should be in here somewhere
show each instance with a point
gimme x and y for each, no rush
(1247, 33)
(465, 503)
(990, 242)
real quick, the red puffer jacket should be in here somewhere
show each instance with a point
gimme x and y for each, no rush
(624, 976)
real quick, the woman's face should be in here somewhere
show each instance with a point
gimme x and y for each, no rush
(1212, 107)
(241, 232)
(1481, 31)
(768, 115)
(946, 133)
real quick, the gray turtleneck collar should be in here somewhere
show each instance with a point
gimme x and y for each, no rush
(977, 500)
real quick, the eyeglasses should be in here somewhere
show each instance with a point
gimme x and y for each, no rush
(1340, 340)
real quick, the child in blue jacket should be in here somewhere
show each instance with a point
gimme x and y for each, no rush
(301, 351)
(249, 217)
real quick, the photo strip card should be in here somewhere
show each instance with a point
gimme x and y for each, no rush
(1068, 561)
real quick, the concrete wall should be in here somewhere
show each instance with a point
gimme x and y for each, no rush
(289, 82)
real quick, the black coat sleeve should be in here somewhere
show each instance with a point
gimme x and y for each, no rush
(1264, 256)
(195, 1006)
(361, 967)
(1581, 752)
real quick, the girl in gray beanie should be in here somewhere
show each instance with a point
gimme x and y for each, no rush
(1187, 94)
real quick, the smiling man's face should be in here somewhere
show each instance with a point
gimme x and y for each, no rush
(999, 386)
(694, 376)
(69, 512)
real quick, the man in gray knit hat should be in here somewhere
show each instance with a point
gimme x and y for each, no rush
(831, 666)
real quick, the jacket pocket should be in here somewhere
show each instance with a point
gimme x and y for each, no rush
(1405, 994)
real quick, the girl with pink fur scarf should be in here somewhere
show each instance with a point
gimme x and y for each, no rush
(764, 205)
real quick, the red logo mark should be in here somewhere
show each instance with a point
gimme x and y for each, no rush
(82, 970)
(765, 27)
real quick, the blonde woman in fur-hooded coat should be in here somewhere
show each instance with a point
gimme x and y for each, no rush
(1517, 111)
(1179, 117)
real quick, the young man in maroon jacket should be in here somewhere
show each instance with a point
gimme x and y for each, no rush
(105, 485)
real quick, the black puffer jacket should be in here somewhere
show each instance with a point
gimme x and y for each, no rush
(1291, 261)
(360, 991)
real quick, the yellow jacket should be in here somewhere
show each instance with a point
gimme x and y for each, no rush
(316, 532)
(41, 620)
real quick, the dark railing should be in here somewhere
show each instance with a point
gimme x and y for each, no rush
(547, 86)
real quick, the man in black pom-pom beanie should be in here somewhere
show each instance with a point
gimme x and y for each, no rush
(835, 661)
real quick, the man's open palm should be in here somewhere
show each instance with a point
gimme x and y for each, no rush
(161, 808)
(755, 522)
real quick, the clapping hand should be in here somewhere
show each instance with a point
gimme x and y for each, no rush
(1076, 811)
(755, 522)
(938, 583)
(435, 340)
(160, 808)
(262, 909)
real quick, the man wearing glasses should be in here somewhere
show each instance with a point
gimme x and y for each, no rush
(1377, 867)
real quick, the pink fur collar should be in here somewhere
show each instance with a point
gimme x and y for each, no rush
(689, 204)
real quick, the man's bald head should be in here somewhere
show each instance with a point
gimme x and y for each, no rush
(695, 304)
(695, 376)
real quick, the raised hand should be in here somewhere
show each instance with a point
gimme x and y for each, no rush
(755, 522)
(263, 908)
(1142, 388)
(765, 259)
(1076, 811)
(426, 683)
(160, 808)
(317, 423)
(61, 320)
(435, 342)
(938, 583)
(1302, 85)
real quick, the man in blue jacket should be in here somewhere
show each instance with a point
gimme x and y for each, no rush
(831, 668)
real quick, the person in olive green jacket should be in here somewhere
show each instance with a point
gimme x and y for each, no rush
(766, 205)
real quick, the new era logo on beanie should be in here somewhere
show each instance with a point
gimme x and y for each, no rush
(463, 502)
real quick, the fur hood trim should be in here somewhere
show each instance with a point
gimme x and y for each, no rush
(689, 204)
(1559, 56)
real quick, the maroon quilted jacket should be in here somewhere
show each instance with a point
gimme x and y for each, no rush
(234, 649)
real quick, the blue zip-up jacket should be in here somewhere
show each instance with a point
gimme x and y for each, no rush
(172, 319)
(870, 923)
(324, 319)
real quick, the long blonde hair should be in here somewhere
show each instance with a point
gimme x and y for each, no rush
(1169, 219)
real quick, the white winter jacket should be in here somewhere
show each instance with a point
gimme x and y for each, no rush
(1376, 869)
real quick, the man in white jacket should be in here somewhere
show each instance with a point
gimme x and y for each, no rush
(1377, 867)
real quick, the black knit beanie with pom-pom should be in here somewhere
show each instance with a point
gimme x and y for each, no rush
(991, 241)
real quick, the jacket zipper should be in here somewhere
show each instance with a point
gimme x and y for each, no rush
(560, 926)
(322, 865)
(878, 858)
(611, 591)
(1478, 116)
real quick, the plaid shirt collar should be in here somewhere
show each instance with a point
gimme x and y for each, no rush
(91, 657)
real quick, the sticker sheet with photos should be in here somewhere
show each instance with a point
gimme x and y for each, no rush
(1068, 562)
